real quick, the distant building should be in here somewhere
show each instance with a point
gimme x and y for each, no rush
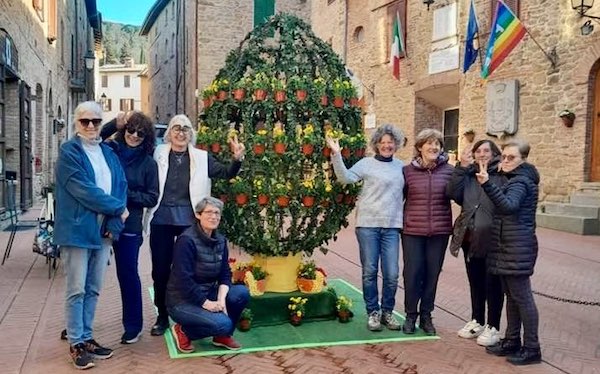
(119, 88)
(43, 76)
(189, 41)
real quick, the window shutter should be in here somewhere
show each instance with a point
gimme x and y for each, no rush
(263, 9)
(512, 4)
(52, 21)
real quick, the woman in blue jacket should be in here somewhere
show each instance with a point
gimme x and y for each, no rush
(91, 195)
(134, 145)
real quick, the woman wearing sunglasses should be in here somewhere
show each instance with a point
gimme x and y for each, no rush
(134, 144)
(184, 174)
(514, 250)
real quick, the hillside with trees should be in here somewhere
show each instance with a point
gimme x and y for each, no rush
(121, 41)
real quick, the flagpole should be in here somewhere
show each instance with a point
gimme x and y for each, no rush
(552, 59)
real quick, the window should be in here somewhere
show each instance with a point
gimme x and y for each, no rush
(514, 5)
(107, 105)
(173, 44)
(263, 9)
(126, 81)
(451, 130)
(359, 34)
(398, 7)
(126, 104)
(104, 81)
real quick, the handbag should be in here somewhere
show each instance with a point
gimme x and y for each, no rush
(43, 243)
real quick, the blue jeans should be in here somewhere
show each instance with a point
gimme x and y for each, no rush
(198, 323)
(85, 270)
(127, 250)
(377, 243)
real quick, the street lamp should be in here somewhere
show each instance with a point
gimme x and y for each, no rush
(582, 6)
(429, 2)
(89, 60)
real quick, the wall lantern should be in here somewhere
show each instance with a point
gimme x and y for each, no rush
(567, 117)
(582, 6)
(429, 2)
(89, 60)
(103, 100)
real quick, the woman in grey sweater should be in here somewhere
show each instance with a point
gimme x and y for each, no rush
(379, 212)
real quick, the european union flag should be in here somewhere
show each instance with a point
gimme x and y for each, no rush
(472, 29)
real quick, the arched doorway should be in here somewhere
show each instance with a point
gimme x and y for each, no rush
(595, 140)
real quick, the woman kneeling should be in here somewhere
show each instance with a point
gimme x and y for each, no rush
(200, 297)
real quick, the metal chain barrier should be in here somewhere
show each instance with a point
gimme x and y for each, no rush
(565, 300)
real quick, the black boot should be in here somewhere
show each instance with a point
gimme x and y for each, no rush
(526, 356)
(409, 325)
(161, 325)
(427, 325)
(505, 347)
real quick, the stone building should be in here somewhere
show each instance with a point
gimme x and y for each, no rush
(119, 87)
(189, 41)
(433, 92)
(42, 77)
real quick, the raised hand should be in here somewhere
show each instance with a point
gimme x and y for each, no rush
(238, 149)
(483, 175)
(334, 144)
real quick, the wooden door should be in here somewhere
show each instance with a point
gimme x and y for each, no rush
(595, 156)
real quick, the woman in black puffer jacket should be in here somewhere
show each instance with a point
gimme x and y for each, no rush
(514, 250)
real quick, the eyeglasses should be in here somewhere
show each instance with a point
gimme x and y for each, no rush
(132, 130)
(214, 213)
(181, 129)
(94, 121)
(509, 158)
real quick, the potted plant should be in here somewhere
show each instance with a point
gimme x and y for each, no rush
(241, 189)
(357, 144)
(299, 84)
(245, 321)
(260, 83)
(307, 189)
(222, 89)
(320, 90)
(255, 279)
(343, 307)
(325, 189)
(240, 87)
(204, 137)
(279, 138)
(338, 90)
(310, 277)
(297, 309)
(334, 134)
(308, 139)
(208, 95)
(568, 117)
(260, 140)
(282, 190)
(260, 187)
(238, 271)
(278, 89)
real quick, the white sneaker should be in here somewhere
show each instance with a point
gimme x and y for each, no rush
(374, 322)
(488, 337)
(471, 330)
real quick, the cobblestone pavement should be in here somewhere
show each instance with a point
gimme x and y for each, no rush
(31, 317)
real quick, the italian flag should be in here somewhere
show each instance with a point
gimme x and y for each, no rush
(397, 47)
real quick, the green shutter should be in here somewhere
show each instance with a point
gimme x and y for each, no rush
(263, 9)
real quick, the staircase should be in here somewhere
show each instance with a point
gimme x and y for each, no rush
(580, 216)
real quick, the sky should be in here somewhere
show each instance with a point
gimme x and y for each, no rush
(131, 12)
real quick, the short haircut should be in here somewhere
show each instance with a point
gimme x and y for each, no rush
(424, 136)
(141, 121)
(86, 106)
(209, 200)
(181, 120)
(386, 129)
(495, 150)
(521, 145)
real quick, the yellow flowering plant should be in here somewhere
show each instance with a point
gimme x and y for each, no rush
(308, 134)
(261, 81)
(259, 184)
(343, 88)
(279, 134)
(221, 84)
(206, 135)
(209, 91)
(343, 304)
(239, 185)
(260, 136)
(307, 187)
(297, 306)
(319, 87)
(281, 188)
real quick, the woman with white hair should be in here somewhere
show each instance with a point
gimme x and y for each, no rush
(379, 220)
(91, 197)
(179, 164)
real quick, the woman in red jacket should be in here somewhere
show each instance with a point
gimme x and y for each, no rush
(427, 227)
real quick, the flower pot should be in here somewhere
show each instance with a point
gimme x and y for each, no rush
(325, 203)
(360, 152)
(308, 201)
(348, 199)
(282, 271)
(261, 285)
(346, 152)
(223, 197)
(206, 102)
(237, 276)
(203, 147)
(222, 95)
(239, 94)
(327, 152)
(344, 316)
(338, 102)
(260, 94)
(568, 121)
(215, 147)
(301, 95)
(324, 100)
(295, 320)
(307, 149)
(263, 199)
(279, 96)
(258, 149)
(256, 287)
(309, 285)
(283, 201)
(353, 101)
(241, 199)
(244, 325)
(279, 148)
(339, 198)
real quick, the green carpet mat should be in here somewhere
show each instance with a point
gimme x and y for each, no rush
(307, 335)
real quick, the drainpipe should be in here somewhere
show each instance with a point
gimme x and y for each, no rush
(345, 48)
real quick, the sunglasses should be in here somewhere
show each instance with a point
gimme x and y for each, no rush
(133, 130)
(508, 158)
(86, 121)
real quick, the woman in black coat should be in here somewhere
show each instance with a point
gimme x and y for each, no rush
(472, 232)
(514, 251)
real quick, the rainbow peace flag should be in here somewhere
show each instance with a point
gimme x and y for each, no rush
(507, 32)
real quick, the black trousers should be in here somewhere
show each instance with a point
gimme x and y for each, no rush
(423, 258)
(485, 288)
(162, 240)
(520, 310)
